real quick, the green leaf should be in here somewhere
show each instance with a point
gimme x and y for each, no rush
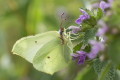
(86, 26)
(99, 14)
(45, 51)
(87, 73)
(89, 34)
(92, 21)
(98, 65)
(107, 73)
(105, 70)
(83, 39)
(77, 47)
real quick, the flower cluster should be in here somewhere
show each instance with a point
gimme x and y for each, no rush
(83, 17)
(96, 46)
(74, 29)
(81, 56)
(104, 5)
(103, 29)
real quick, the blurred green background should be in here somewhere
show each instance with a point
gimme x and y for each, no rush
(19, 18)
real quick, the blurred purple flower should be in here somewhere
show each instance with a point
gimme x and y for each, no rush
(104, 5)
(95, 5)
(110, 1)
(83, 17)
(103, 29)
(84, 12)
(96, 48)
(74, 29)
(80, 56)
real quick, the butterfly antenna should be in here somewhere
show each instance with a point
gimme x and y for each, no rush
(69, 21)
(61, 19)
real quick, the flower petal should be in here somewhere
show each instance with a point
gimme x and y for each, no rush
(103, 5)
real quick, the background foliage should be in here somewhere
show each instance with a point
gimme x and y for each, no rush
(19, 18)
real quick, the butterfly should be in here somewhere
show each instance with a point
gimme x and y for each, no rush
(49, 52)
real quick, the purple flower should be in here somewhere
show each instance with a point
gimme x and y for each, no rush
(103, 5)
(80, 56)
(83, 17)
(95, 5)
(96, 48)
(74, 29)
(84, 12)
(110, 1)
(97, 44)
(103, 29)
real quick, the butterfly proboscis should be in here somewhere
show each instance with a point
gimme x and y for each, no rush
(62, 30)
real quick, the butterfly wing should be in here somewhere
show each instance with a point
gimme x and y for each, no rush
(52, 57)
(27, 47)
(45, 51)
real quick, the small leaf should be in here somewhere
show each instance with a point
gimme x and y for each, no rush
(86, 26)
(92, 21)
(89, 34)
(105, 70)
(77, 47)
(98, 65)
(99, 14)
